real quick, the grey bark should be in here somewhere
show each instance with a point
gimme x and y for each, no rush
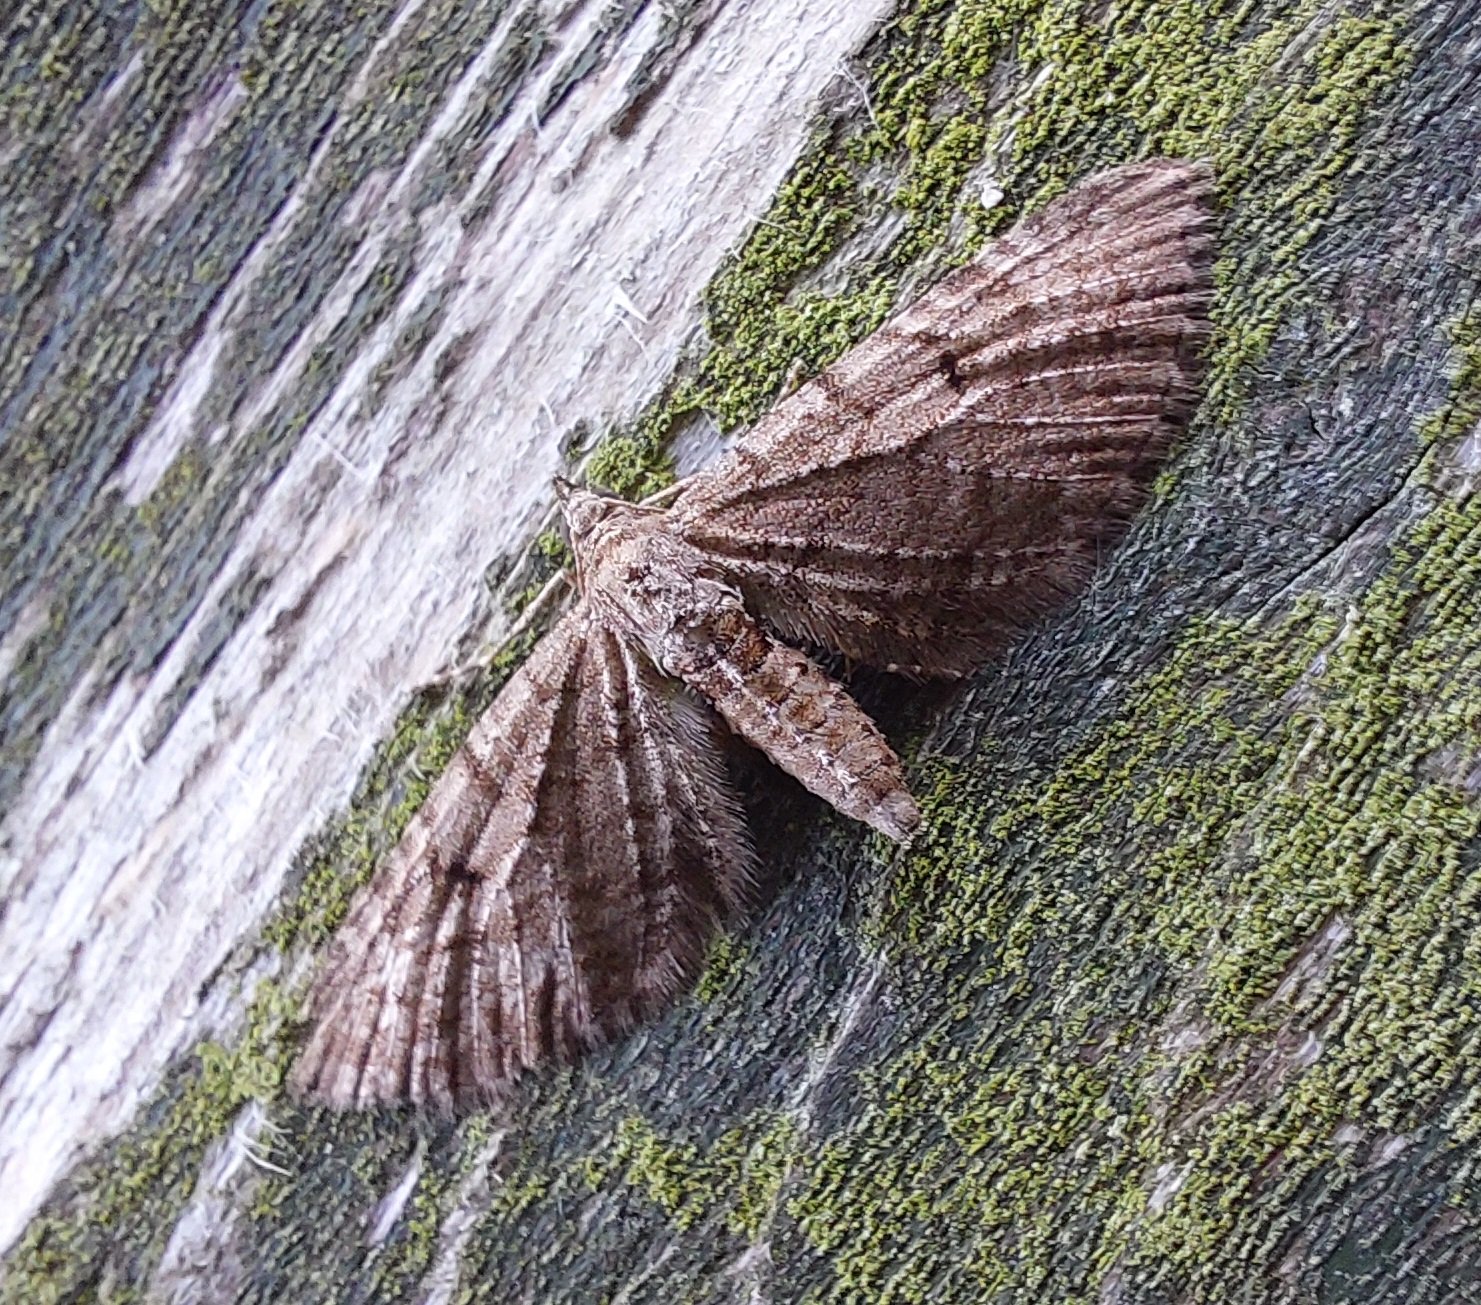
(1176, 1001)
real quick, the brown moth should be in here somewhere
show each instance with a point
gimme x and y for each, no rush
(911, 508)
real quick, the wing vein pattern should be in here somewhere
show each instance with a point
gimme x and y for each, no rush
(913, 508)
(962, 469)
(559, 885)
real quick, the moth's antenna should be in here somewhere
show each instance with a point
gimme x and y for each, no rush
(662, 497)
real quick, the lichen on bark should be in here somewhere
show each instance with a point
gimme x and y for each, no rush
(1175, 997)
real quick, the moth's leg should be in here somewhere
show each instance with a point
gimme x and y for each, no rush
(542, 603)
(664, 497)
(552, 592)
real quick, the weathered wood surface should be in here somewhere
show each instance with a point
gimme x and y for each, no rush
(303, 302)
(1178, 997)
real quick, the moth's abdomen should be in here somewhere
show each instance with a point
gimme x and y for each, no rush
(784, 704)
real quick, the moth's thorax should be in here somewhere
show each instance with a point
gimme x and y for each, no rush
(647, 582)
(661, 591)
(595, 522)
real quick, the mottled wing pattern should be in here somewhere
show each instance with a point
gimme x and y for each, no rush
(558, 885)
(955, 473)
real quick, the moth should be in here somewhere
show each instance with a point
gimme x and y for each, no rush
(911, 508)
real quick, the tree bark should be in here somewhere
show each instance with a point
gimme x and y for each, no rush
(1176, 996)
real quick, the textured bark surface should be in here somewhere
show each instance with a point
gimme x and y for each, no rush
(938, 486)
(1176, 998)
(302, 303)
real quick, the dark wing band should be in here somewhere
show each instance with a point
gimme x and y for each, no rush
(558, 885)
(945, 481)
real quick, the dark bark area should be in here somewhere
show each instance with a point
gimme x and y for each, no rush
(1176, 997)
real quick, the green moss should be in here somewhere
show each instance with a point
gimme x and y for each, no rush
(631, 466)
(128, 1201)
(540, 564)
(738, 1178)
(726, 964)
(797, 338)
(1128, 1032)
(553, 548)
(1460, 416)
(407, 1256)
(182, 481)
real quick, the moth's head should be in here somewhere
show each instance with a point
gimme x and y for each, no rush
(591, 519)
(583, 509)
